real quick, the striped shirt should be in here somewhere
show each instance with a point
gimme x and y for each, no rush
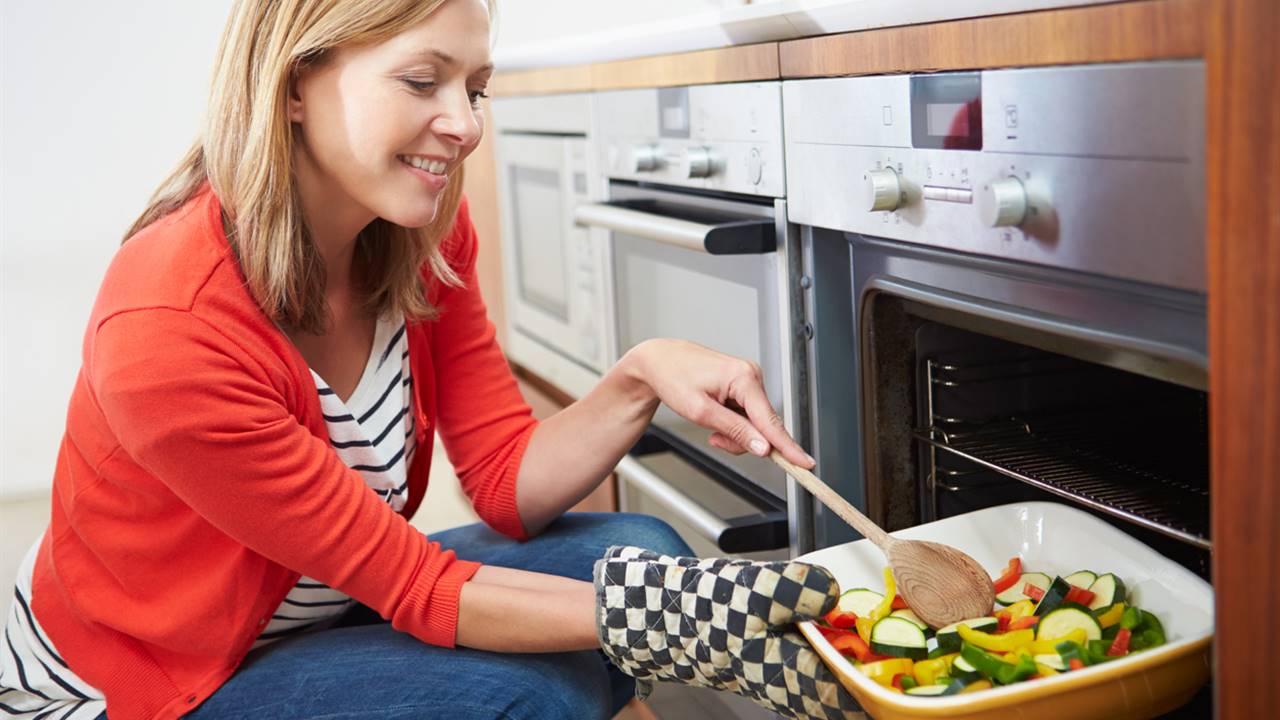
(372, 432)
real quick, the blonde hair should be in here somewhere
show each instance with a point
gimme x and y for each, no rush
(245, 153)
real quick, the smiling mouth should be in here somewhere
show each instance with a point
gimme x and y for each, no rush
(435, 167)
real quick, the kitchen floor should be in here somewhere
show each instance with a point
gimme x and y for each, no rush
(22, 520)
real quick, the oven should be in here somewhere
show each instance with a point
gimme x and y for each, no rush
(701, 250)
(554, 272)
(1007, 295)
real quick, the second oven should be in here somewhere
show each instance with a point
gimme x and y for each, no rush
(701, 250)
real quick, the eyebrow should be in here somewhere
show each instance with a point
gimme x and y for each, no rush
(448, 59)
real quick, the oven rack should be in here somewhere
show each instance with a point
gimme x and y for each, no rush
(1068, 456)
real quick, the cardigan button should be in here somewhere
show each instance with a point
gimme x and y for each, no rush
(191, 699)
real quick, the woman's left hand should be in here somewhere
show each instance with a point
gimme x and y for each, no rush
(720, 392)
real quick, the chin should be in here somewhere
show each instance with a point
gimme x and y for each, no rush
(418, 215)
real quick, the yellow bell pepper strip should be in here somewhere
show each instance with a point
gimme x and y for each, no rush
(1111, 616)
(927, 672)
(1020, 609)
(883, 671)
(975, 686)
(1044, 670)
(864, 626)
(999, 643)
(890, 591)
(1049, 645)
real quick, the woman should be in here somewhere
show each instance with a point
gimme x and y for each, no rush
(287, 322)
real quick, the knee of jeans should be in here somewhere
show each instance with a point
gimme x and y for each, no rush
(650, 533)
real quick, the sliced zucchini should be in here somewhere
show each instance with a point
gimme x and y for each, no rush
(1054, 596)
(1082, 578)
(1052, 660)
(1107, 590)
(898, 637)
(964, 671)
(1063, 620)
(860, 602)
(928, 690)
(907, 614)
(949, 636)
(1015, 594)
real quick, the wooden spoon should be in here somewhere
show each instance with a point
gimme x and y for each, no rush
(941, 584)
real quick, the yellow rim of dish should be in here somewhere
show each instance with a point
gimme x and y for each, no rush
(1009, 694)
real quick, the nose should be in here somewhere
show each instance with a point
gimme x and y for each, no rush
(457, 120)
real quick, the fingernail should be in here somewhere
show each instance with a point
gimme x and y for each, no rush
(809, 457)
(759, 447)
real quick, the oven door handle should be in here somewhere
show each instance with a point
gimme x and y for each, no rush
(740, 237)
(749, 533)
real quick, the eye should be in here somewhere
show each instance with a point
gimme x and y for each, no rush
(477, 96)
(418, 85)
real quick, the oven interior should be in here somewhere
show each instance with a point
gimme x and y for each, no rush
(967, 413)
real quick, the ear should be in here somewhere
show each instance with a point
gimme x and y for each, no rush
(294, 97)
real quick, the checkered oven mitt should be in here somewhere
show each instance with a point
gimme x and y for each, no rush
(720, 623)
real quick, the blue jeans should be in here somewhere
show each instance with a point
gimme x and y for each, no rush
(362, 668)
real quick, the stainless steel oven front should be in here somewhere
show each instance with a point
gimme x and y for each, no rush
(1009, 294)
(702, 250)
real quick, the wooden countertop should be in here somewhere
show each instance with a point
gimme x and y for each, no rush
(1121, 32)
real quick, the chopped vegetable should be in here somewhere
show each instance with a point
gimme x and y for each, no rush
(899, 637)
(1010, 575)
(927, 672)
(1000, 643)
(949, 636)
(1111, 616)
(886, 605)
(1107, 590)
(882, 671)
(1121, 645)
(1046, 627)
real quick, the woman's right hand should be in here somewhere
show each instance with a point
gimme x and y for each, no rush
(721, 623)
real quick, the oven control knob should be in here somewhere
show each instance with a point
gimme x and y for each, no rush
(697, 162)
(883, 189)
(1003, 203)
(646, 158)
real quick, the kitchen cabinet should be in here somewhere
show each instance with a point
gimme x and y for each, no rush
(1236, 40)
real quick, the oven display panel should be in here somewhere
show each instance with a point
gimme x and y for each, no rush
(946, 111)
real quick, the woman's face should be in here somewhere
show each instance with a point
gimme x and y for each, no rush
(383, 126)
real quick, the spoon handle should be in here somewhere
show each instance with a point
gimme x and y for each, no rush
(837, 504)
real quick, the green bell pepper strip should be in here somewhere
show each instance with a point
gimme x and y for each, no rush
(1001, 672)
(1072, 651)
(1131, 619)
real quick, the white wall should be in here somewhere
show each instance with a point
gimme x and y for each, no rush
(533, 22)
(99, 101)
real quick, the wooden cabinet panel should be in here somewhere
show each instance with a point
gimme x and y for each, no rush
(1146, 30)
(1243, 226)
(480, 182)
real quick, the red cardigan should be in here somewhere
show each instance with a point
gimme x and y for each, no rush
(195, 482)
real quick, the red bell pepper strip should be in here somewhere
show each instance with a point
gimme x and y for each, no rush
(831, 633)
(1033, 592)
(1002, 622)
(1076, 664)
(851, 644)
(897, 681)
(1024, 623)
(899, 603)
(1079, 595)
(1009, 578)
(1121, 644)
(839, 619)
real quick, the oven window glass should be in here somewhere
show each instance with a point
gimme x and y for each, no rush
(725, 302)
(537, 203)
